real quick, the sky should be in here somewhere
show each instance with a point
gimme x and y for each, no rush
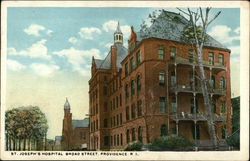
(49, 53)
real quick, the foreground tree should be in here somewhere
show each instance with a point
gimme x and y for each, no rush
(194, 34)
(23, 125)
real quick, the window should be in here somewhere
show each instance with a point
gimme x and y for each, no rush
(138, 82)
(132, 87)
(173, 79)
(161, 52)
(139, 110)
(111, 122)
(106, 140)
(126, 69)
(197, 134)
(96, 108)
(162, 102)
(133, 111)
(120, 118)
(213, 82)
(223, 132)
(118, 141)
(172, 53)
(211, 58)
(127, 113)
(221, 59)
(120, 99)
(133, 134)
(111, 105)
(164, 131)
(121, 138)
(105, 106)
(114, 123)
(117, 119)
(128, 137)
(105, 122)
(114, 140)
(138, 57)
(126, 91)
(132, 64)
(140, 134)
(222, 83)
(223, 107)
(117, 102)
(105, 91)
(97, 124)
(191, 55)
(213, 106)
(111, 140)
(174, 105)
(162, 78)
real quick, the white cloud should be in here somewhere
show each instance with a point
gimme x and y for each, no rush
(34, 29)
(110, 25)
(87, 33)
(79, 59)
(36, 50)
(49, 32)
(222, 33)
(73, 40)
(14, 65)
(44, 69)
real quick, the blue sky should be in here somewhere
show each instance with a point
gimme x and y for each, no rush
(50, 50)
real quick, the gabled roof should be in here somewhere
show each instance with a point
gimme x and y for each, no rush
(80, 123)
(122, 52)
(171, 29)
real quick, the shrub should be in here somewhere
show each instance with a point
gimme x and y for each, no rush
(234, 140)
(172, 142)
(134, 146)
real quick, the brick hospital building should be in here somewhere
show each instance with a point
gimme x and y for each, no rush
(151, 89)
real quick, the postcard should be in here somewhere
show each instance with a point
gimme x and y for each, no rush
(122, 80)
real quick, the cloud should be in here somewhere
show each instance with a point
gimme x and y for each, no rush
(223, 34)
(79, 59)
(44, 69)
(111, 25)
(14, 65)
(49, 32)
(36, 50)
(34, 29)
(73, 40)
(87, 33)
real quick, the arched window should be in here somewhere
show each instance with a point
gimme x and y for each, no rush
(174, 105)
(138, 82)
(140, 133)
(126, 91)
(132, 87)
(222, 83)
(127, 135)
(164, 131)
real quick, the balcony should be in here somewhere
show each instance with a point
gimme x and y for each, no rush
(190, 89)
(195, 117)
(184, 61)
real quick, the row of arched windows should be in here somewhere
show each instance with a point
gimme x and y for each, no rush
(132, 86)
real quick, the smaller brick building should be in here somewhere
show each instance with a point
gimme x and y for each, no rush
(75, 133)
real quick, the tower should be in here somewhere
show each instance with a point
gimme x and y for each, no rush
(118, 36)
(67, 127)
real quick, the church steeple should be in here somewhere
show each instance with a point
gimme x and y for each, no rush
(67, 105)
(118, 36)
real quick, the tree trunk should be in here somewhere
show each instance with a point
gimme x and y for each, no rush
(14, 144)
(7, 142)
(207, 102)
(24, 144)
(10, 146)
(29, 144)
(19, 146)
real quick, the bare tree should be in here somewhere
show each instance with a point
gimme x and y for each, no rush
(199, 40)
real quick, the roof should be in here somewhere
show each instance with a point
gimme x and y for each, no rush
(118, 29)
(80, 123)
(171, 29)
(122, 52)
(67, 105)
(58, 138)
